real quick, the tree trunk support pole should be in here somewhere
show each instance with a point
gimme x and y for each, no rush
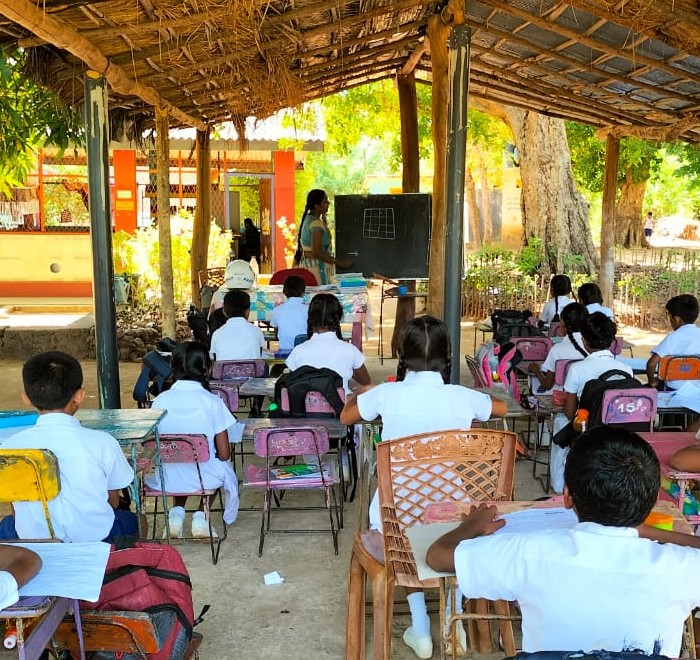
(167, 295)
(607, 230)
(202, 214)
(458, 57)
(97, 142)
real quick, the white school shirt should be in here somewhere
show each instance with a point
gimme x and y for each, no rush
(550, 308)
(9, 592)
(237, 339)
(684, 340)
(563, 350)
(597, 307)
(590, 368)
(422, 403)
(585, 588)
(90, 463)
(290, 319)
(324, 349)
(192, 409)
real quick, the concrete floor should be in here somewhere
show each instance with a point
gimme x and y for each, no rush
(305, 617)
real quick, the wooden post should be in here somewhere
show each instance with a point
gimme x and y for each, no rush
(438, 34)
(97, 141)
(167, 295)
(607, 229)
(202, 214)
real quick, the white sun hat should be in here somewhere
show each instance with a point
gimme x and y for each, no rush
(239, 275)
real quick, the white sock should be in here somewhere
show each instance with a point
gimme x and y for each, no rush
(420, 621)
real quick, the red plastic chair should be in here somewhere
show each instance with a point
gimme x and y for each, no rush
(281, 275)
(633, 406)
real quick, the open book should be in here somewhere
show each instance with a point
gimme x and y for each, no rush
(299, 471)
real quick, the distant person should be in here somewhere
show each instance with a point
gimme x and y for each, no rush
(682, 313)
(17, 566)
(237, 339)
(610, 582)
(559, 289)
(291, 317)
(91, 464)
(314, 241)
(591, 296)
(649, 226)
(251, 236)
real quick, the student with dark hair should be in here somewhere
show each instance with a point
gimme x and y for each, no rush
(420, 401)
(569, 348)
(91, 464)
(251, 236)
(559, 289)
(291, 317)
(237, 339)
(192, 408)
(683, 340)
(325, 346)
(602, 584)
(591, 296)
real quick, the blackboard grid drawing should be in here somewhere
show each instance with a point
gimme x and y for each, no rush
(379, 223)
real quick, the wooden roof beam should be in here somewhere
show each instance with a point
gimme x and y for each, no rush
(35, 20)
(669, 133)
(414, 58)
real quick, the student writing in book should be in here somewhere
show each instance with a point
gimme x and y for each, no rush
(421, 400)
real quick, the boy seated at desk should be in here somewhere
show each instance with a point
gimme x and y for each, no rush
(291, 317)
(237, 339)
(602, 584)
(682, 313)
(17, 567)
(91, 465)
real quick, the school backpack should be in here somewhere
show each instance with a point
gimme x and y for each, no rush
(153, 379)
(197, 320)
(497, 363)
(303, 380)
(149, 577)
(508, 323)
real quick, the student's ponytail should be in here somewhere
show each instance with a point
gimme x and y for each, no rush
(580, 349)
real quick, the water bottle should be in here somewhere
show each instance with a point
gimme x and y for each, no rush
(581, 420)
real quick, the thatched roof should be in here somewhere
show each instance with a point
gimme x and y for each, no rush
(605, 62)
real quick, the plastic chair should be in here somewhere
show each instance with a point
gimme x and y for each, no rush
(30, 475)
(414, 472)
(191, 449)
(474, 370)
(679, 367)
(237, 369)
(533, 349)
(280, 276)
(561, 369)
(633, 406)
(616, 346)
(227, 391)
(279, 443)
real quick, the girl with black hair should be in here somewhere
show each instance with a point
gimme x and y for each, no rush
(421, 400)
(569, 348)
(591, 296)
(192, 408)
(325, 346)
(559, 289)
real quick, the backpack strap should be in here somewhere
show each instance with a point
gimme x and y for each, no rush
(613, 372)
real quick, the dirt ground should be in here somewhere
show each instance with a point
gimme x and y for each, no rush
(304, 617)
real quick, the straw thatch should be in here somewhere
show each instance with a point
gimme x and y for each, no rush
(632, 66)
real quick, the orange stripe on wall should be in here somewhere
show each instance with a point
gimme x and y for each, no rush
(46, 289)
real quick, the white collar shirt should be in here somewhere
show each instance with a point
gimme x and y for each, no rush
(324, 349)
(597, 307)
(586, 588)
(590, 368)
(553, 307)
(237, 339)
(290, 319)
(422, 403)
(684, 340)
(90, 463)
(564, 350)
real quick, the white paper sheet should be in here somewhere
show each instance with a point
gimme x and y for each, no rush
(71, 570)
(421, 537)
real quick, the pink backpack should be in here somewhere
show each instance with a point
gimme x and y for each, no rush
(497, 364)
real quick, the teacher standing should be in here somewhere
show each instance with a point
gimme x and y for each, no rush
(314, 243)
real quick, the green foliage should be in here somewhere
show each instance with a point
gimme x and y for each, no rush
(138, 255)
(31, 117)
(248, 189)
(531, 256)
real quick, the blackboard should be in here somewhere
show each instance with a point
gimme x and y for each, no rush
(386, 234)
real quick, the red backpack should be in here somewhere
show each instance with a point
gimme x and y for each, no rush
(150, 577)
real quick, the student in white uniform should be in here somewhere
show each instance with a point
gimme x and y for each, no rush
(193, 409)
(91, 464)
(237, 339)
(291, 317)
(17, 566)
(421, 400)
(634, 584)
(684, 340)
(325, 346)
(559, 289)
(591, 296)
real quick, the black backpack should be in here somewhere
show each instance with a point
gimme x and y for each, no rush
(592, 401)
(509, 323)
(300, 382)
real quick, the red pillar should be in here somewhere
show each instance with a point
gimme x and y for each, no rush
(283, 191)
(124, 197)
